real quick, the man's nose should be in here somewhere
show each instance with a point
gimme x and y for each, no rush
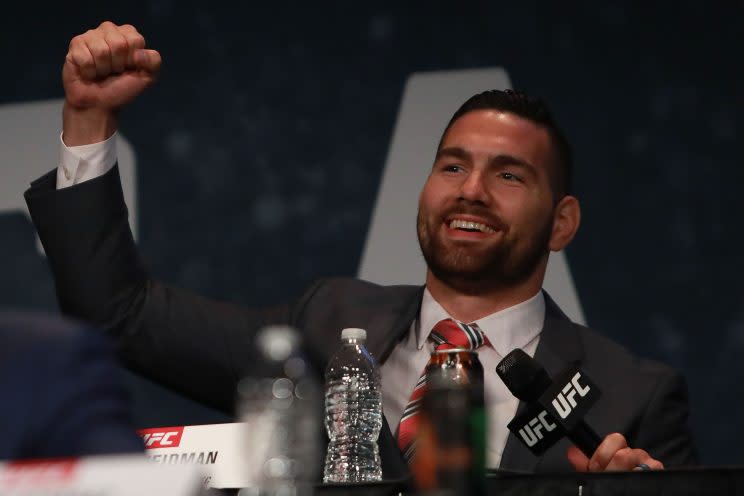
(474, 188)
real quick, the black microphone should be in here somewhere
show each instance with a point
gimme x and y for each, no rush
(554, 408)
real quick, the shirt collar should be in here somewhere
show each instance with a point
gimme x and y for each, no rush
(510, 328)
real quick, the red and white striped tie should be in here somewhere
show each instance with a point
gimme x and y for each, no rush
(446, 335)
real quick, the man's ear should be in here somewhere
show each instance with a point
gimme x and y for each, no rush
(566, 220)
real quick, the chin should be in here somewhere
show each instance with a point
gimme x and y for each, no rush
(468, 270)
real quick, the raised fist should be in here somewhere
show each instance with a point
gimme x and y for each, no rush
(108, 67)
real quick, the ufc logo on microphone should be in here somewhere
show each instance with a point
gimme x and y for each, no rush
(565, 402)
(161, 438)
(532, 432)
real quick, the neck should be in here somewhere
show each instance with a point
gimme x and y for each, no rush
(471, 304)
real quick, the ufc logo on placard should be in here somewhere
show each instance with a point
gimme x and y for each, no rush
(565, 402)
(161, 438)
(532, 432)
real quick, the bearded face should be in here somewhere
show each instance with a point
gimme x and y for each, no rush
(486, 211)
(508, 262)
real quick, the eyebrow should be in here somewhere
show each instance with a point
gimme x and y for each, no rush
(453, 151)
(496, 160)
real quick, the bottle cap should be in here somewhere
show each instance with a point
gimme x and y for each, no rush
(354, 333)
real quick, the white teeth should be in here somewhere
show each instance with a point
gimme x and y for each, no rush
(464, 224)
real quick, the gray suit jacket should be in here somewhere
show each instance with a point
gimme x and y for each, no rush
(202, 347)
(61, 390)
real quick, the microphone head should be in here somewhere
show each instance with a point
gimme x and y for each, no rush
(523, 375)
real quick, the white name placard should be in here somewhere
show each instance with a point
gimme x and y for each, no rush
(217, 449)
(110, 475)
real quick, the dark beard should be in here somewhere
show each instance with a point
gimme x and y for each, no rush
(503, 267)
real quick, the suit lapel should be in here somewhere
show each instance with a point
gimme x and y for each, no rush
(389, 326)
(559, 345)
(392, 323)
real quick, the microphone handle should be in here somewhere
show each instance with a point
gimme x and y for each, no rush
(585, 439)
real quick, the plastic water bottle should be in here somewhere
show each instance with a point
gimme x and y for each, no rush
(281, 411)
(353, 412)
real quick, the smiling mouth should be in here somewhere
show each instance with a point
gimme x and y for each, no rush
(469, 226)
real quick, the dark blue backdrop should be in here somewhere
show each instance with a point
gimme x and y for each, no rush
(261, 148)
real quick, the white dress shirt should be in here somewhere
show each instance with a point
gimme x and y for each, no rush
(518, 326)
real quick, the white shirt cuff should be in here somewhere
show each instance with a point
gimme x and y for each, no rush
(82, 163)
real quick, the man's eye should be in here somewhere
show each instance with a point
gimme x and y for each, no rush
(510, 177)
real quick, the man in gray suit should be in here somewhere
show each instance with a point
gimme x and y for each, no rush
(496, 202)
(61, 390)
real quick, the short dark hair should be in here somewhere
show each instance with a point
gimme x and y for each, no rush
(533, 109)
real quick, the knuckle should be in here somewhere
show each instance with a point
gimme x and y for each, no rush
(99, 51)
(138, 41)
(131, 33)
(604, 459)
(618, 438)
(80, 56)
(84, 60)
(624, 455)
(118, 46)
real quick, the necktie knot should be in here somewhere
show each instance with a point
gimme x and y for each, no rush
(448, 334)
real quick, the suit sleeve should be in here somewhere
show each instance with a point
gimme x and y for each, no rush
(191, 344)
(664, 430)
